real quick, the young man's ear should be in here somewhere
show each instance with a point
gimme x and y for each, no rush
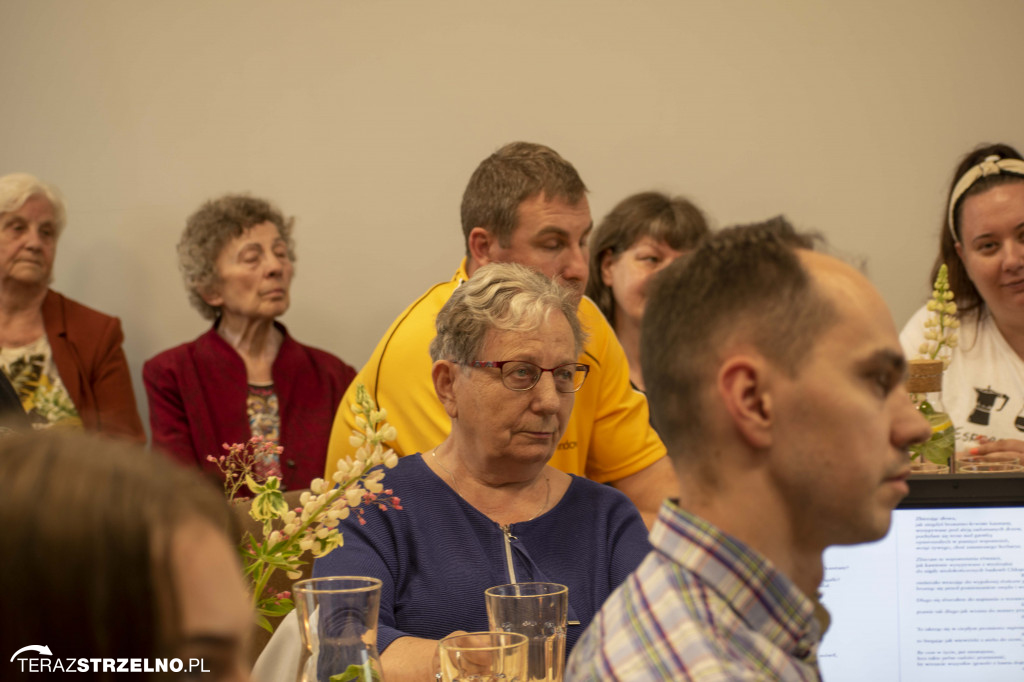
(742, 385)
(482, 246)
(443, 374)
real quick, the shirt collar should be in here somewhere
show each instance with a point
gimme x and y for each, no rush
(764, 598)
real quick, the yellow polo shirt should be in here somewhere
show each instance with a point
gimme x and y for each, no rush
(608, 437)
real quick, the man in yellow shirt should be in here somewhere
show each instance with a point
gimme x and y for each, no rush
(524, 204)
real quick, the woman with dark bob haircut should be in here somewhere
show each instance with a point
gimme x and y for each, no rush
(246, 376)
(112, 552)
(982, 246)
(643, 233)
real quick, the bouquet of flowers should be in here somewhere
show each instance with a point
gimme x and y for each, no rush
(925, 380)
(287, 534)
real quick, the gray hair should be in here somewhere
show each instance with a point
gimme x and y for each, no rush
(501, 296)
(209, 230)
(17, 188)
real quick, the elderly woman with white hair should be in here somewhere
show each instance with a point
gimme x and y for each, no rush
(64, 360)
(484, 507)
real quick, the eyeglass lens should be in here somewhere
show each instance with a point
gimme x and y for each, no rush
(522, 376)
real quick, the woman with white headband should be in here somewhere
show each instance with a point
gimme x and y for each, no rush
(983, 248)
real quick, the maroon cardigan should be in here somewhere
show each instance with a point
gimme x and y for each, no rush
(197, 402)
(86, 346)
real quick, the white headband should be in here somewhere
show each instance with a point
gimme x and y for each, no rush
(992, 165)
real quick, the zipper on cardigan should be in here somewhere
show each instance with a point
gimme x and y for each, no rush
(507, 532)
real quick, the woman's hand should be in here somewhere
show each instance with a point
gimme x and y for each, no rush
(412, 659)
(1004, 447)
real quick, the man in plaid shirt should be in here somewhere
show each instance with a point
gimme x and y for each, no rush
(775, 378)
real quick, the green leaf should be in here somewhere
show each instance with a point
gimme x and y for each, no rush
(362, 673)
(274, 609)
(264, 623)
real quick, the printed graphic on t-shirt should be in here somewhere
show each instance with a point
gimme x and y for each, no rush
(987, 402)
(34, 377)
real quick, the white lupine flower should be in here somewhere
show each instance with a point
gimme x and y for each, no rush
(940, 327)
(315, 526)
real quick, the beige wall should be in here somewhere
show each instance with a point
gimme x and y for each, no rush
(365, 118)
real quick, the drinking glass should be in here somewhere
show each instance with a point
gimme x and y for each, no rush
(539, 611)
(483, 657)
(988, 464)
(924, 467)
(338, 623)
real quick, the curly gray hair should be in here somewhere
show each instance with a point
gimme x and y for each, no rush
(502, 296)
(209, 230)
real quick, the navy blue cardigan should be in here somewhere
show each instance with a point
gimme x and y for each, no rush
(438, 554)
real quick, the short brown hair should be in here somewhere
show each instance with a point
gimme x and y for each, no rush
(673, 220)
(510, 176)
(745, 280)
(208, 231)
(968, 299)
(87, 530)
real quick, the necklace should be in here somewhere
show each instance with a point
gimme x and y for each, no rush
(543, 506)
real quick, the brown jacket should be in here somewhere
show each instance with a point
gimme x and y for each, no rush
(87, 351)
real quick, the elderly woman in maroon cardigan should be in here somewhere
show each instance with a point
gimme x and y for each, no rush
(246, 376)
(63, 359)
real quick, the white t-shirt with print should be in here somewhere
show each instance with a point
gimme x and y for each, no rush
(983, 387)
(35, 378)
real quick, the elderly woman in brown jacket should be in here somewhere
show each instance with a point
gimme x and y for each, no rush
(64, 360)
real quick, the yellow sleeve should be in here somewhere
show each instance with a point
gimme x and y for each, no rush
(398, 379)
(611, 419)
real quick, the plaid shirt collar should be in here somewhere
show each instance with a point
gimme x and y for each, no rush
(765, 599)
